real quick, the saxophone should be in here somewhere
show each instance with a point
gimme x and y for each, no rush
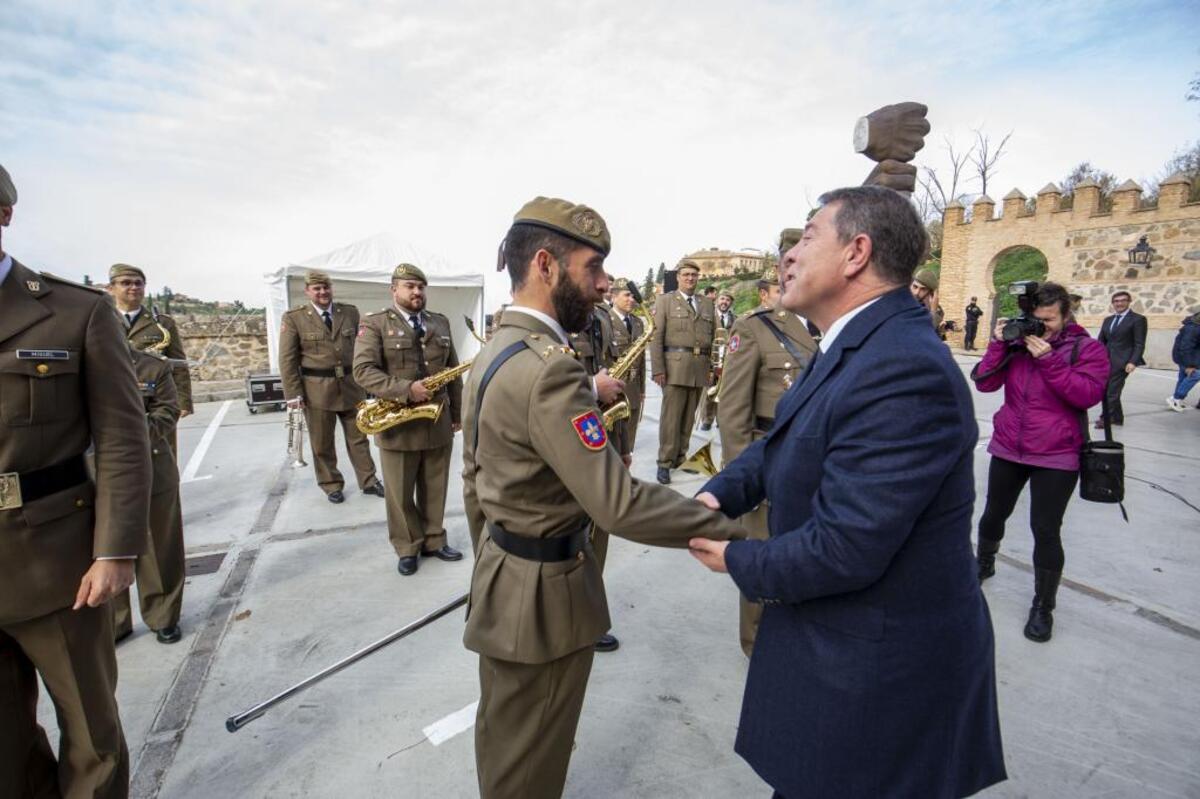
(619, 410)
(376, 415)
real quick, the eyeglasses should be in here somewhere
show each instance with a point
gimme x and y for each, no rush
(128, 284)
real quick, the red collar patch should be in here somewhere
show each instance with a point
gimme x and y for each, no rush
(590, 430)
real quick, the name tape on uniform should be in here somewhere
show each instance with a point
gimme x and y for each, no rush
(44, 355)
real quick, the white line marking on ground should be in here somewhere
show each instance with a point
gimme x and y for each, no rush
(198, 479)
(193, 464)
(457, 722)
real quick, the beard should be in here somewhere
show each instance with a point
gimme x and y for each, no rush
(572, 308)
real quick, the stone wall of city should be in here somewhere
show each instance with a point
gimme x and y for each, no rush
(225, 347)
(1086, 249)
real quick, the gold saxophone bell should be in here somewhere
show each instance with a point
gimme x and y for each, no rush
(376, 415)
(619, 410)
(700, 462)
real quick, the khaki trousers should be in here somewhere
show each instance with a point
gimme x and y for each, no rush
(321, 424)
(525, 725)
(750, 613)
(159, 572)
(415, 484)
(675, 425)
(708, 408)
(73, 652)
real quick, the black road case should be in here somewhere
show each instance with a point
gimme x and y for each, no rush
(264, 391)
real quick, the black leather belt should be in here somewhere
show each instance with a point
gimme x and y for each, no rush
(692, 350)
(307, 372)
(763, 423)
(543, 550)
(17, 489)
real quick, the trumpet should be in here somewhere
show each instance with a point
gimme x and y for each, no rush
(376, 415)
(295, 436)
(619, 410)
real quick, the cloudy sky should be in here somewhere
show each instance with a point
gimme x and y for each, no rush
(213, 141)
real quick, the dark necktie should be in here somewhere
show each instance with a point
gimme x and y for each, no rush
(418, 334)
(129, 317)
(328, 320)
(692, 304)
(1116, 321)
(629, 325)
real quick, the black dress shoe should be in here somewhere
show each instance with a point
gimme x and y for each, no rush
(169, 635)
(407, 565)
(445, 553)
(337, 497)
(375, 490)
(607, 643)
(664, 475)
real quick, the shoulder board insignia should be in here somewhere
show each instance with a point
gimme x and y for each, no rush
(33, 285)
(590, 430)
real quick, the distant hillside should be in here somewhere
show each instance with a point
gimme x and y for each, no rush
(180, 304)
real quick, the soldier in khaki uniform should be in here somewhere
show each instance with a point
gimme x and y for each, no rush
(924, 288)
(144, 328)
(768, 349)
(538, 473)
(316, 356)
(66, 545)
(160, 571)
(397, 348)
(628, 328)
(725, 320)
(679, 363)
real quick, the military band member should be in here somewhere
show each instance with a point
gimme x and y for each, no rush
(768, 349)
(538, 473)
(725, 320)
(316, 357)
(397, 349)
(924, 288)
(628, 327)
(66, 544)
(679, 363)
(159, 572)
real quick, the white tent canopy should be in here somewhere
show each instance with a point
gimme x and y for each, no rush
(362, 274)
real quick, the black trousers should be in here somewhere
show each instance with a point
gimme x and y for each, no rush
(1049, 492)
(969, 331)
(1116, 384)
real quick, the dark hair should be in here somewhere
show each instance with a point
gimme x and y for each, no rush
(898, 239)
(1124, 294)
(523, 242)
(1053, 294)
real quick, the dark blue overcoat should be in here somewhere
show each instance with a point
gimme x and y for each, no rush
(873, 673)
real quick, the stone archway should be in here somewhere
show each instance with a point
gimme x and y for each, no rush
(1012, 264)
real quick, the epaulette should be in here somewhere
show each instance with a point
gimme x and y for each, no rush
(432, 314)
(547, 348)
(380, 311)
(758, 312)
(71, 283)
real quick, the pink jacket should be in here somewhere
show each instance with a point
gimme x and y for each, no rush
(1045, 398)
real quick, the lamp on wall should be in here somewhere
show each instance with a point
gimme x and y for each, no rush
(1141, 253)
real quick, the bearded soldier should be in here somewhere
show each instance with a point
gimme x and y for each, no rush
(316, 356)
(538, 474)
(398, 348)
(768, 349)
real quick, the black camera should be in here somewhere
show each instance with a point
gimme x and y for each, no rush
(1026, 324)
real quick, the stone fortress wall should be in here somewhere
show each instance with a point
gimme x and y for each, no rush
(225, 347)
(1086, 250)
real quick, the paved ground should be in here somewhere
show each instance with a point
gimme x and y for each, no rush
(1108, 708)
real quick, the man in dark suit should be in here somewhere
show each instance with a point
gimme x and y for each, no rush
(1124, 334)
(873, 673)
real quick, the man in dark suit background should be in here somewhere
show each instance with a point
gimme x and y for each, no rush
(873, 673)
(1124, 334)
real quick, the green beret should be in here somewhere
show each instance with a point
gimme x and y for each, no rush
(788, 238)
(8, 192)
(117, 270)
(315, 278)
(408, 272)
(927, 278)
(769, 278)
(577, 222)
(688, 265)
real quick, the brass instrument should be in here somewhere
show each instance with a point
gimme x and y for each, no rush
(471, 326)
(636, 353)
(700, 462)
(717, 359)
(376, 415)
(295, 436)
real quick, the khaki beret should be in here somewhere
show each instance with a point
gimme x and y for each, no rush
(8, 192)
(577, 222)
(622, 284)
(788, 238)
(725, 293)
(688, 265)
(927, 278)
(770, 277)
(117, 270)
(315, 278)
(408, 272)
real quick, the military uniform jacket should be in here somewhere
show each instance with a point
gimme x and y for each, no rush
(600, 334)
(305, 342)
(635, 380)
(758, 370)
(386, 365)
(144, 333)
(66, 381)
(537, 474)
(677, 326)
(157, 388)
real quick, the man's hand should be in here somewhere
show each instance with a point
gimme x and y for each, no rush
(417, 392)
(708, 500)
(710, 553)
(998, 330)
(660, 380)
(896, 132)
(104, 580)
(1037, 346)
(455, 427)
(1130, 367)
(298, 402)
(608, 388)
(893, 175)
(183, 413)
(1187, 370)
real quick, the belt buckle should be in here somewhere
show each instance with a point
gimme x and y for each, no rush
(10, 491)
(339, 371)
(695, 350)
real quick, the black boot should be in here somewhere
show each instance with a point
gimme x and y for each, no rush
(1041, 620)
(985, 556)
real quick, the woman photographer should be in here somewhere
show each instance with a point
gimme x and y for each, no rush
(1049, 381)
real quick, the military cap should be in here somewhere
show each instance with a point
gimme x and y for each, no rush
(927, 278)
(770, 277)
(117, 270)
(576, 222)
(688, 265)
(788, 238)
(315, 278)
(8, 192)
(725, 293)
(408, 272)
(622, 284)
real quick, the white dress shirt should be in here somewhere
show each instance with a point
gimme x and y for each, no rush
(842, 321)
(5, 267)
(553, 324)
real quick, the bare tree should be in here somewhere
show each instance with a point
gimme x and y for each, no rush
(986, 156)
(1107, 181)
(938, 191)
